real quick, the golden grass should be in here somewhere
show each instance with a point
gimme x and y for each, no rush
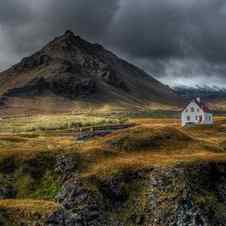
(26, 210)
(154, 142)
(214, 134)
(15, 145)
(166, 146)
(28, 205)
(141, 161)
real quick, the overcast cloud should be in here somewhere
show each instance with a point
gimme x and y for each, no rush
(177, 41)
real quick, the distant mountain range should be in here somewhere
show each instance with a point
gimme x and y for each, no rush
(71, 74)
(206, 92)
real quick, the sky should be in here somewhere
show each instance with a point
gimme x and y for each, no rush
(180, 42)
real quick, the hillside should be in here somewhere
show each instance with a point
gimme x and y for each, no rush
(71, 74)
(153, 173)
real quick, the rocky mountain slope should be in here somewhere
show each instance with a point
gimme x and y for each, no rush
(72, 73)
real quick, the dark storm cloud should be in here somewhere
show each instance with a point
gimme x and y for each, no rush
(31, 23)
(172, 28)
(13, 13)
(169, 38)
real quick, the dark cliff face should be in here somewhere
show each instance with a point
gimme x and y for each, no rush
(183, 196)
(73, 68)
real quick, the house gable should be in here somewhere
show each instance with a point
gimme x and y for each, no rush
(192, 107)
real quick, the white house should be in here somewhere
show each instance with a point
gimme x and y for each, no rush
(196, 112)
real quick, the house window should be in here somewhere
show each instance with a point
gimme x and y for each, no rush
(197, 109)
(210, 118)
(196, 118)
(188, 118)
(192, 109)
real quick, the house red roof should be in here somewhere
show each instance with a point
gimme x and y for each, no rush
(202, 105)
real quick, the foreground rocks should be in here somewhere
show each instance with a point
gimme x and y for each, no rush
(79, 206)
(177, 196)
(183, 195)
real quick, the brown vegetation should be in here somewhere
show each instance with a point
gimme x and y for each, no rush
(152, 143)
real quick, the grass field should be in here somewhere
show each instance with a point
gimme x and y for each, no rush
(29, 148)
(27, 137)
(52, 122)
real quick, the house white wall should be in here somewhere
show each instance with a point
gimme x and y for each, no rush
(208, 118)
(193, 114)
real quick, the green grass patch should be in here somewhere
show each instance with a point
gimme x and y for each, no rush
(47, 188)
(53, 122)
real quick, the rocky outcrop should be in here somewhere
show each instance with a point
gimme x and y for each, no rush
(65, 165)
(170, 200)
(33, 61)
(175, 196)
(79, 206)
(187, 196)
(110, 77)
(68, 85)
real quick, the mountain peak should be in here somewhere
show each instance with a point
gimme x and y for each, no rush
(71, 67)
(70, 42)
(67, 40)
(69, 33)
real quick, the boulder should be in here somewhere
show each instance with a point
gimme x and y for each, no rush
(65, 166)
